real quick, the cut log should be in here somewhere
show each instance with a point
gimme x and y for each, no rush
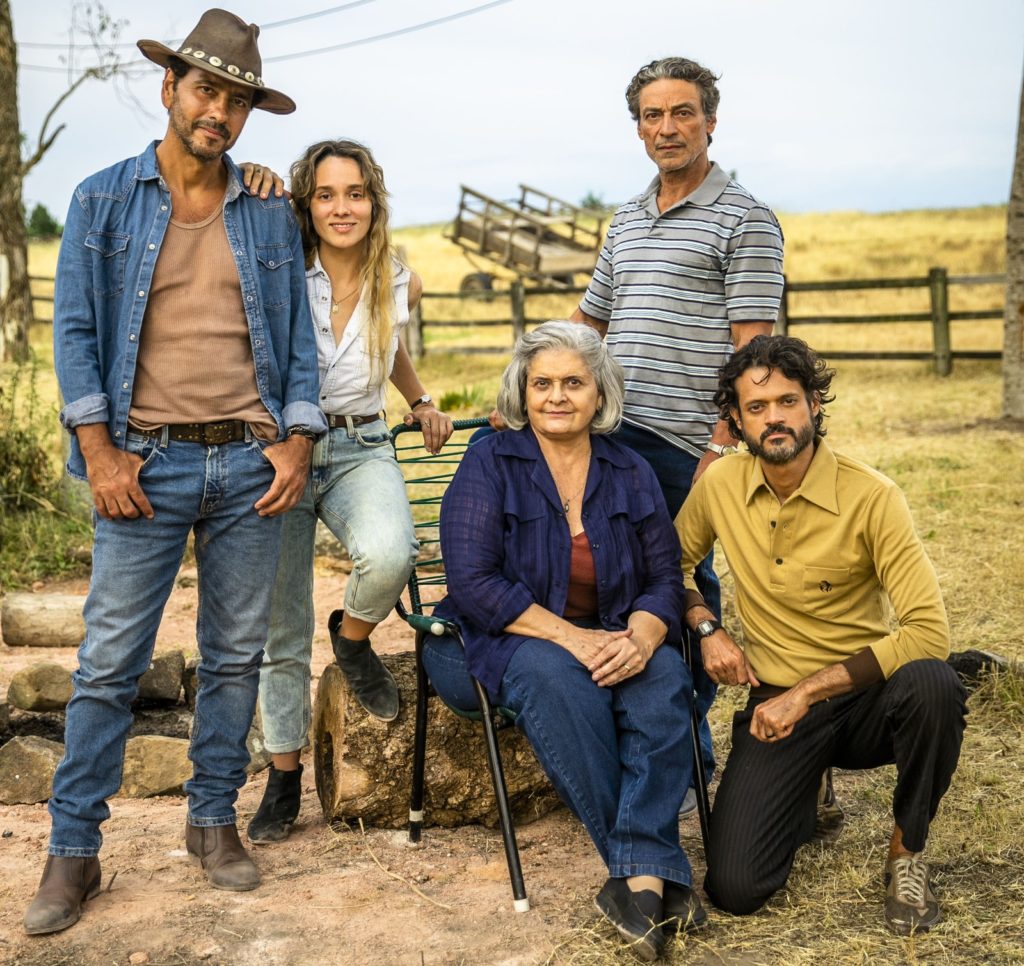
(42, 620)
(364, 766)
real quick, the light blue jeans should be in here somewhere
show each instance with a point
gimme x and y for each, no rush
(356, 487)
(619, 757)
(208, 490)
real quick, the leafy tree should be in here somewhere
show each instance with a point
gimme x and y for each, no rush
(41, 224)
(593, 202)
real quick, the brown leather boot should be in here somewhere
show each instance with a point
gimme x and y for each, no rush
(65, 885)
(225, 861)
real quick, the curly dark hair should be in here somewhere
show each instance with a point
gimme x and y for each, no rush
(793, 357)
(674, 68)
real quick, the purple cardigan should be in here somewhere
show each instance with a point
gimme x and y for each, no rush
(506, 544)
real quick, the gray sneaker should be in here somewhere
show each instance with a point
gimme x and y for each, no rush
(910, 905)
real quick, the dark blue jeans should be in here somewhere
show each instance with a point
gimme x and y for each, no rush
(619, 757)
(674, 469)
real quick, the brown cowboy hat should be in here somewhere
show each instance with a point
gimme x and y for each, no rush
(222, 43)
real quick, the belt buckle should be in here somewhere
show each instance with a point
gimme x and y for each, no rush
(214, 434)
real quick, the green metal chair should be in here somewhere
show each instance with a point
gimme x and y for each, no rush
(427, 477)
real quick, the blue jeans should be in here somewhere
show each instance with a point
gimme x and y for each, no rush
(619, 757)
(208, 491)
(356, 487)
(674, 469)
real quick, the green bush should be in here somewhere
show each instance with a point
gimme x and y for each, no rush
(37, 539)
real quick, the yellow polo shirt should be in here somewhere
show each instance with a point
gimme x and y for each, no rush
(815, 575)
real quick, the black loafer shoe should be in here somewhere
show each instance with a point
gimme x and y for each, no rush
(371, 682)
(682, 909)
(636, 915)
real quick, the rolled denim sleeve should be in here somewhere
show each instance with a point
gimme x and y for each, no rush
(302, 389)
(473, 546)
(75, 337)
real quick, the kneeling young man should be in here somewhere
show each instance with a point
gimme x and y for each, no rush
(822, 549)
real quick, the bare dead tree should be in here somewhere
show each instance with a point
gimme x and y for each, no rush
(18, 156)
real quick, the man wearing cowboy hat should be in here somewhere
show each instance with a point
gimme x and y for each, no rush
(188, 369)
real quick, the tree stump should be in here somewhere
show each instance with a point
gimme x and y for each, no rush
(42, 620)
(364, 766)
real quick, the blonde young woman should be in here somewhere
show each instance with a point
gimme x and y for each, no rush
(360, 296)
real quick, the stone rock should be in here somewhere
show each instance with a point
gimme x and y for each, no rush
(259, 757)
(190, 682)
(44, 686)
(138, 959)
(42, 620)
(26, 769)
(162, 682)
(155, 766)
(5, 719)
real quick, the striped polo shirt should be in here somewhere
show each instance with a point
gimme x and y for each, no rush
(669, 284)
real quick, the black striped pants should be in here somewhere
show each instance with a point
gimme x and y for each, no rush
(766, 804)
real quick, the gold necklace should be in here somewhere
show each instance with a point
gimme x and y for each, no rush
(337, 305)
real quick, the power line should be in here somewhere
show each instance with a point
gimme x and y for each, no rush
(265, 26)
(391, 33)
(412, 28)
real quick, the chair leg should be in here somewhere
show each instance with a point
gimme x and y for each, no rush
(700, 775)
(419, 754)
(508, 832)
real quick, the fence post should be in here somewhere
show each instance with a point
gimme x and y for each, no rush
(414, 332)
(938, 284)
(782, 323)
(517, 296)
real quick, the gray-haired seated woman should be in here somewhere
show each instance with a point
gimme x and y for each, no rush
(563, 575)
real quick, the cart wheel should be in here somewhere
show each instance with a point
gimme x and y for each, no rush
(477, 283)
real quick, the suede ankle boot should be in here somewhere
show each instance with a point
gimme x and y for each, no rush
(278, 809)
(371, 682)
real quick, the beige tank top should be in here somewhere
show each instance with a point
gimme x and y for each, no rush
(195, 360)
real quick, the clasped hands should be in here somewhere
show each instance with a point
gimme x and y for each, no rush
(610, 656)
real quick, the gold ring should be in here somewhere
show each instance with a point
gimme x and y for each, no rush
(627, 667)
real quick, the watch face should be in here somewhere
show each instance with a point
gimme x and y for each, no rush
(704, 628)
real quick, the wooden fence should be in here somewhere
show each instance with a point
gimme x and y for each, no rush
(938, 282)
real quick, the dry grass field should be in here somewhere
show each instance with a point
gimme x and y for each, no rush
(942, 440)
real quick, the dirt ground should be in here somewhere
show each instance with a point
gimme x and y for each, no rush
(345, 896)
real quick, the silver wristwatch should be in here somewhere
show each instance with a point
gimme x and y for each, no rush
(721, 450)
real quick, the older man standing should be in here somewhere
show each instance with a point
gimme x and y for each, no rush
(823, 552)
(186, 359)
(691, 270)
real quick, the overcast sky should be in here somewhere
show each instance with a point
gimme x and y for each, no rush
(869, 105)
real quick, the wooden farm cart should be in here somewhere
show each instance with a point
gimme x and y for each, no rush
(538, 236)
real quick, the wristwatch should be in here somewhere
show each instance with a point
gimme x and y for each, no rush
(706, 628)
(423, 400)
(720, 449)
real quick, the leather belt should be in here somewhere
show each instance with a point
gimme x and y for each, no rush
(206, 434)
(335, 422)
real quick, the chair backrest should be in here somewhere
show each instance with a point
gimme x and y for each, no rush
(426, 478)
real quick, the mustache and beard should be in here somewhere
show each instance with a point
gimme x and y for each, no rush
(194, 145)
(780, 453)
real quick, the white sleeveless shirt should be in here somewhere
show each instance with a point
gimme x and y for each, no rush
(345, 388)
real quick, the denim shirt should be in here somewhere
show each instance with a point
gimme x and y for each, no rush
(506, 544)
(112, 237)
